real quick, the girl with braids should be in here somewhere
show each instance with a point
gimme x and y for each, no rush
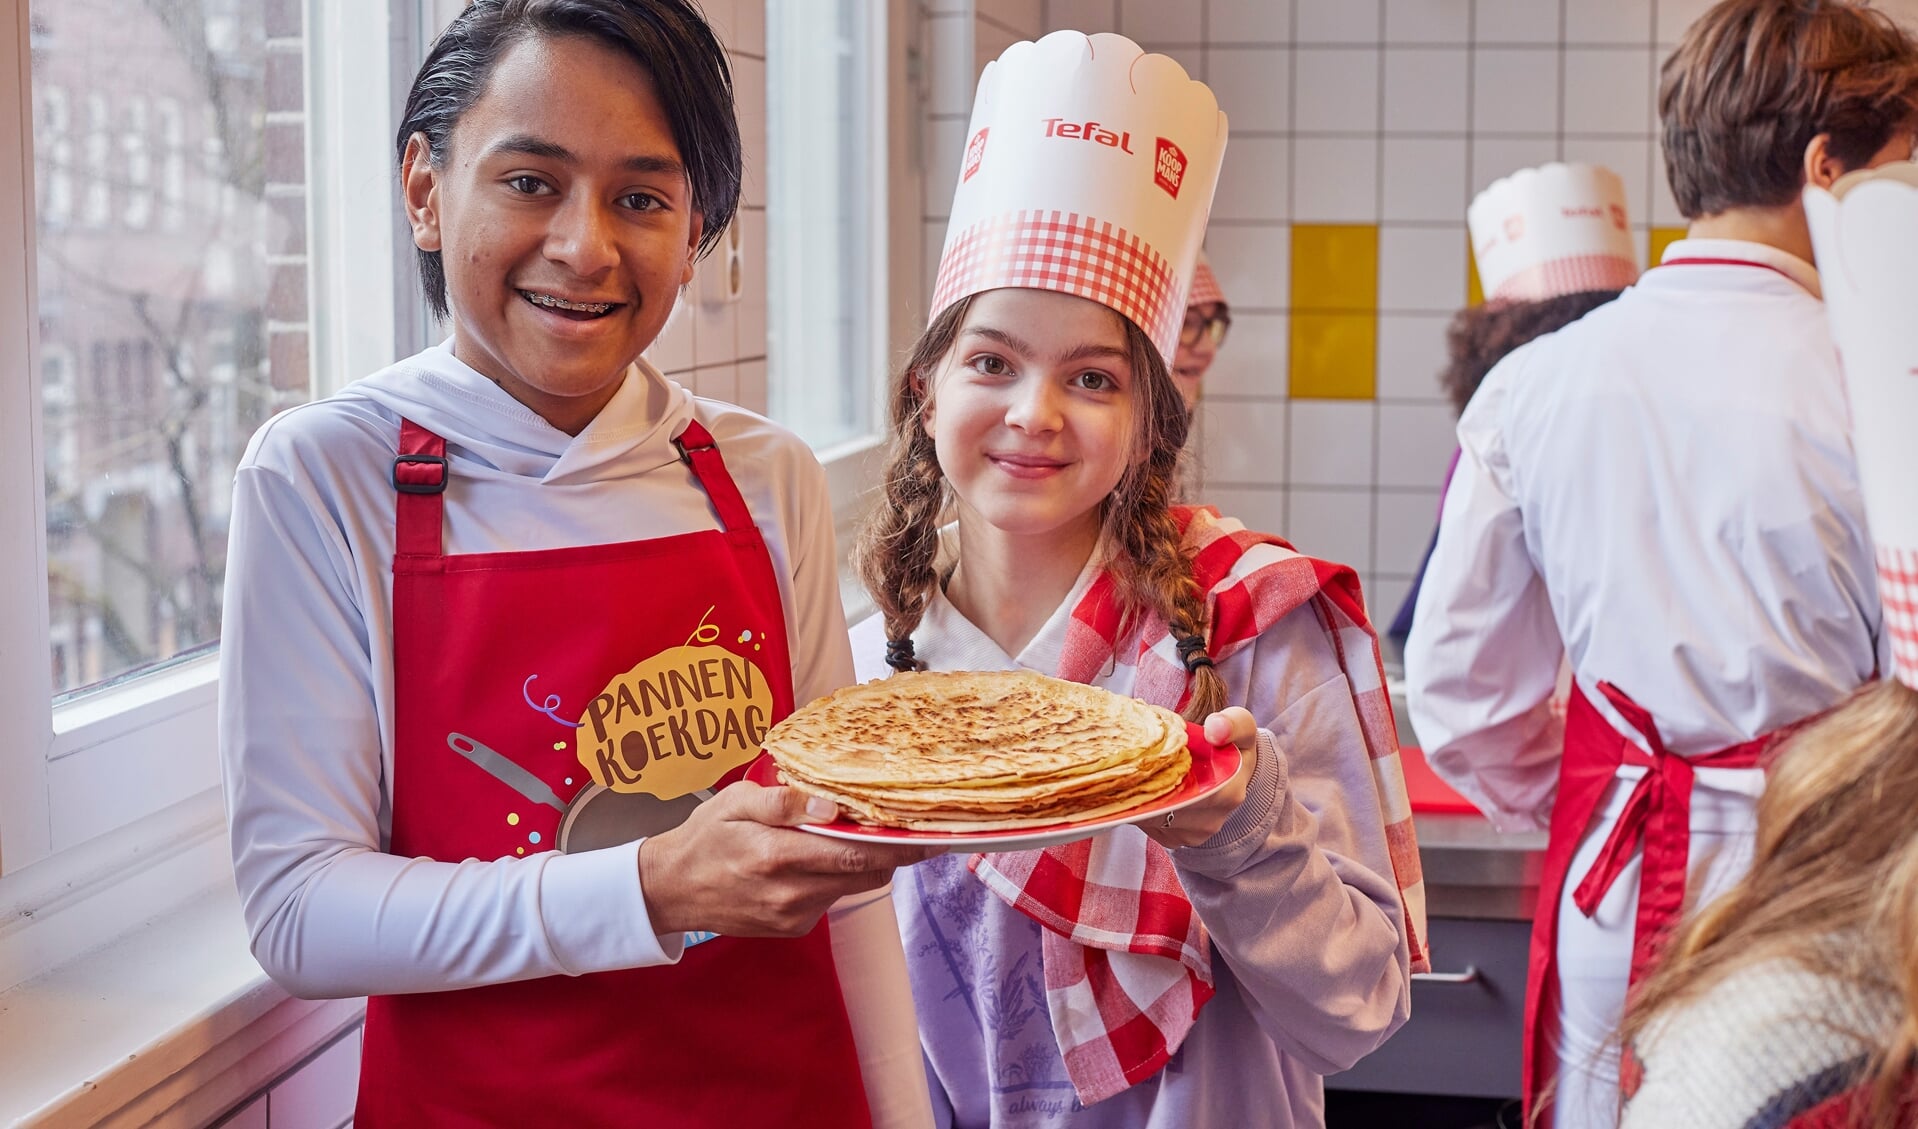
(1205, 970)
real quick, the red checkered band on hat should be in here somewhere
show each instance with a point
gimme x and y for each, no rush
(1898, 590)
(1068, 253)
(1569, 275)
(1205, 286)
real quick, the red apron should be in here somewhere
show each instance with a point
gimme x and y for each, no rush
(1658, 812)
(671, 660)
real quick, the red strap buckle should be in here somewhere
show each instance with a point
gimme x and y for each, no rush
(419, 474)
(686, 453)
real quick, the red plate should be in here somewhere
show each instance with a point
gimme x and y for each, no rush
(1213, 766)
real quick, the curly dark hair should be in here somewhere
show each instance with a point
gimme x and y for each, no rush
(1480, 336)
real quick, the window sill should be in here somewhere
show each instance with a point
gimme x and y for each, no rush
(170, 1018)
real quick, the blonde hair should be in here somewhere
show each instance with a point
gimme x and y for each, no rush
(898, 547)
(1836, 853)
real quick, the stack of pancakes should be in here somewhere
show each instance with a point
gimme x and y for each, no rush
(980, 751)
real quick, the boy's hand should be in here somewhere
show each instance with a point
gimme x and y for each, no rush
(737, 867)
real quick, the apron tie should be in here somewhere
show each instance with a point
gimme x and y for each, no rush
(1658, 813)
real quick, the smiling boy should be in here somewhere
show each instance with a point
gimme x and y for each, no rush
(435, 573)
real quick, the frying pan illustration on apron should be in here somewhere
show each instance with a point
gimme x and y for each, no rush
(597, 816)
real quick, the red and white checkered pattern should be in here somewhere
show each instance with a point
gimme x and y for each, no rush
(1123, 956)
(1070, 254)
(1570, 275)
(1127, 963)
(1898, 590)
(1205, 285)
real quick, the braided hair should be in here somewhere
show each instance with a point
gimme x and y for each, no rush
(1151, 566)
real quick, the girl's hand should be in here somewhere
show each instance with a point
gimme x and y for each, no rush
(1194, 825)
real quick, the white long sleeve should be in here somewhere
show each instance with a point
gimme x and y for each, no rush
(1483, 656)
(1667, 486)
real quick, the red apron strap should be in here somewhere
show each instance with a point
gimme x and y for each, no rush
(1659, 813)
(697, 449)
(419, 475)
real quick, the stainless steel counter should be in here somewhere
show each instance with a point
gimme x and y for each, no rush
(1473, 871)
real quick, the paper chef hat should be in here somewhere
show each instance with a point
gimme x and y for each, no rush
(1863, 232)
(1205, 285)
(1556, 229)
(1089, 170)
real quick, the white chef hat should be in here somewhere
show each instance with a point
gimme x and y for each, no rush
(1556, 229)
(1089, 170)
(1863, 232)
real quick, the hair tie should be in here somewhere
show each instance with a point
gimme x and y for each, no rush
(1192, 652)
(899, 654)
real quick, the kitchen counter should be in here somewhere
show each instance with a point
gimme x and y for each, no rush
(1471, 870)
(1465, 1038)
(1474, 871)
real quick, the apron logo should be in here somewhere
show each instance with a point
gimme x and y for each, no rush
(678, 721)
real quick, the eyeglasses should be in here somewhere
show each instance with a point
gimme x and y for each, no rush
(1197, 326)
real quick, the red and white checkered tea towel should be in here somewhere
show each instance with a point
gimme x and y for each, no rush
(1127, 962)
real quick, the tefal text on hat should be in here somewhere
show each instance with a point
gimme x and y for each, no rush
(1088, 131)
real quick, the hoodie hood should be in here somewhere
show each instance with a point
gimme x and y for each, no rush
(632, 434)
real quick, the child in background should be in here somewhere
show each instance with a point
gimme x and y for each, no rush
(1551, 244)
(1664, 494)
(1207, 320)
(1793, 999)
(453, 588)
(1278, 920)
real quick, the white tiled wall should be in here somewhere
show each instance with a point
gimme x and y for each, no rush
(718, 348)
(1390, 113)
(1376, 112)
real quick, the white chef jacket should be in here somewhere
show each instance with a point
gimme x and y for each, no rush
(306, 705)
(1668, 486)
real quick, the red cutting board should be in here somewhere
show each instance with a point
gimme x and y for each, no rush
(1428, 793)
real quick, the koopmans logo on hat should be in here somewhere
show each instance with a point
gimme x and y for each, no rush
(1863, 231)
(975, 153)
(1089, 170)
(1169, 170)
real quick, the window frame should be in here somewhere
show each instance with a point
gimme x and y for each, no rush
(119, 772)
(854, 464)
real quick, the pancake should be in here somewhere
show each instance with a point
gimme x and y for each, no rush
(980, 750)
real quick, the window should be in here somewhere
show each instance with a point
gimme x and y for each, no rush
(826, 157)
(168, 302)
(133, 557)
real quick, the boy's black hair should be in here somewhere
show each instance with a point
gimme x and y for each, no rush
(668, 38)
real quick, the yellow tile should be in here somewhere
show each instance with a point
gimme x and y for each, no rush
(1474, 289)
(1335, 267)
(1334, 356)
(1662, 237)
